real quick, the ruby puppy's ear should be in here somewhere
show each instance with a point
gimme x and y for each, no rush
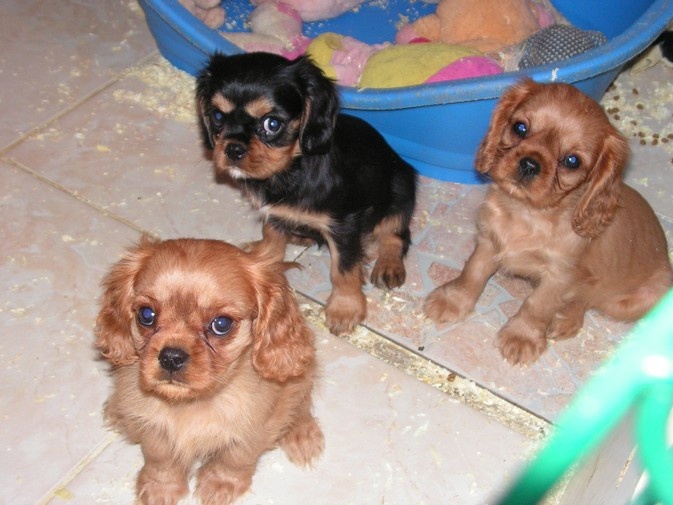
(596, 208)
(502, 113)
(283, 343)
(113, 331)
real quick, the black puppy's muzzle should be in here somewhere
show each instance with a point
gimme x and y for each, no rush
(235, 150)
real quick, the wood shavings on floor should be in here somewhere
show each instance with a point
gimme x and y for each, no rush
(457, 387)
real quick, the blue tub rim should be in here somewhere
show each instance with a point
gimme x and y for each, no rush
(608, 57)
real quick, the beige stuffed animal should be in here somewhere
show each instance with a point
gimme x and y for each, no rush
(485, 25)
(208, 11)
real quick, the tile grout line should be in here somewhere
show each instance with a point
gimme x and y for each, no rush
(455, 386)
(62, 483)
(45, 124)
(79, 102)
(90, 203)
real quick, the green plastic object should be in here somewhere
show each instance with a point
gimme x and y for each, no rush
(637, 379)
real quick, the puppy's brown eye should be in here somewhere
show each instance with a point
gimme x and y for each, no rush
(520, 129)
(271, 125)
(146, 316)
(571, 161)
(221, 325)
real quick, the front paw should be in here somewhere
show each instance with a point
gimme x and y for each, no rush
(216, 485)
(156, 487)
(344, 312)
(520, 345)
(567, 322)
(448, 303)
(388, 273)
(304, 443)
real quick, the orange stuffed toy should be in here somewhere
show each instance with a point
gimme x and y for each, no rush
(486, 25)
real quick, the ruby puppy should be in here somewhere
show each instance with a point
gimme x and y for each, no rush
(558, 214)
(212, 364)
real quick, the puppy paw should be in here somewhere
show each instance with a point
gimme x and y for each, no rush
(566, 323)
(304, 443)
(520, 347)
(344, 312)
(447, 304)
(265, 248)
(388, 273)
(216, 485)
(249, 246)
(160, 487)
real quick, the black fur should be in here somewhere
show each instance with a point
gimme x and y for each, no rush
(665, 42)
(345, 170)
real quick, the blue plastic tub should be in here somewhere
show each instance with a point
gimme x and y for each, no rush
(435, 127)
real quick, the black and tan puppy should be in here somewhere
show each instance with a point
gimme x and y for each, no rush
(274, 126)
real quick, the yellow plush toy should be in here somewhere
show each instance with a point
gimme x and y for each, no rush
(342, 58)
(353, 63)
(410, 64)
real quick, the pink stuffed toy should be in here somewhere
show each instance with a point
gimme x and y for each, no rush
(466, 68)
(486, 25)
(341, 58)
(275, 27)
(208, 11)
(313, 10)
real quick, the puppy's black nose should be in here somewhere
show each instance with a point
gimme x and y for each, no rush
(528, 167)
(235, 151)
(172, 359)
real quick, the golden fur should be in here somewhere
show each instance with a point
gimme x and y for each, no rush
(223, 373)
(558, 214)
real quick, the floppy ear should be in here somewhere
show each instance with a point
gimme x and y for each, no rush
(597, 206)
(502, 113)
(207, 136)
(113, 324)
(321, 109)
(283, 343)
(202, 98)
(204, 93)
